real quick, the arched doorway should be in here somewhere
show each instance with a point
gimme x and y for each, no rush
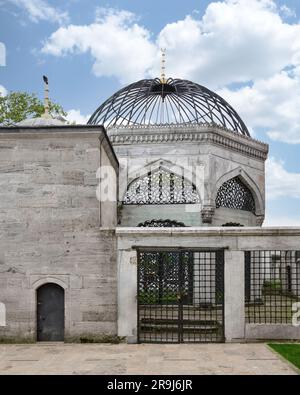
(50, 313)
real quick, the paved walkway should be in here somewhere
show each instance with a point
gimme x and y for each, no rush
(45, 358)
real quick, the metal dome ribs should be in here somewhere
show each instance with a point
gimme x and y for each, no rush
(151, 102)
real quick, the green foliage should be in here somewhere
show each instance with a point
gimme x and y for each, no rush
(152, 297)
(17, 106)
(291, 352)
(272, 287)
(276, 284)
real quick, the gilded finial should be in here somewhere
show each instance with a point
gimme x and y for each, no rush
(163, 66)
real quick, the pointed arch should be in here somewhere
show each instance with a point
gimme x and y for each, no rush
(49, 280)
(161, 186)
(245, 183)
(236, 195)
(180, 170)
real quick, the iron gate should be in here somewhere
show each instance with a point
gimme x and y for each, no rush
(180, 296)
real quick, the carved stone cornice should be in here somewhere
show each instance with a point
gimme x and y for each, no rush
(203, 134)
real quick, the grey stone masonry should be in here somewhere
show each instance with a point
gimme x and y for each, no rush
(49, 228)
(234, 241)
(207, 156)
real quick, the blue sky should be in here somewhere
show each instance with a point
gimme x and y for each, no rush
(246, 50)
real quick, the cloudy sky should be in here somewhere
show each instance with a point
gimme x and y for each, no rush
(246, 50)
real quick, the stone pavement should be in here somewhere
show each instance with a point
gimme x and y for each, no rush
(59, 358)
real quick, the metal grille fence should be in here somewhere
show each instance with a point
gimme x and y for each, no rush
(180, 296)
(272, 286)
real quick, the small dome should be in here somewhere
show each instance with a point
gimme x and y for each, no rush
(43, 121)
(176, 101)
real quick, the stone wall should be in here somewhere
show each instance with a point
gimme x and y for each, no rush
(206, 156)
(49, 229)
(234, 241)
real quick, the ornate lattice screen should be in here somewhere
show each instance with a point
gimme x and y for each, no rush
(161, 187)
(234, 194)
(161, 223)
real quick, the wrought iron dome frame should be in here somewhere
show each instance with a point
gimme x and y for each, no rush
(175, 101)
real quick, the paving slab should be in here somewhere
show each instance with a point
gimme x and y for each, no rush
(154, 359)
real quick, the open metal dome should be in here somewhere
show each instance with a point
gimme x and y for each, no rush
(175, 101)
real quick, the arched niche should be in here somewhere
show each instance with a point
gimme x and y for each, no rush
(161, 186)
(248, 182)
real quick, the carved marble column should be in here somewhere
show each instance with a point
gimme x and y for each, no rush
(207, 213)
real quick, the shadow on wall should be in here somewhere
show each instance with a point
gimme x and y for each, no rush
(2, 314)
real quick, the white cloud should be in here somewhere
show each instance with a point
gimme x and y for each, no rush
(75, 116)
(272, 104)
(236, 41)
(2, 54)
(282, 220)
(279, 182)
(3, 91)
(40, 10)
(288, 12)
(118, 45)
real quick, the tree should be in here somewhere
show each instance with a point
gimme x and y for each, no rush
(17, 106)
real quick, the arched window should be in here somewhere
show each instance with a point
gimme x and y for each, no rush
(236, 195)
(161, 187)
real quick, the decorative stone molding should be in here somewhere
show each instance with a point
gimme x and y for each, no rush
(200, 133)
(260, 220)
(38, 281)
(278, 232)
(207, 213)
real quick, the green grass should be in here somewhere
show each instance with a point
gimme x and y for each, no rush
(291, 352)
